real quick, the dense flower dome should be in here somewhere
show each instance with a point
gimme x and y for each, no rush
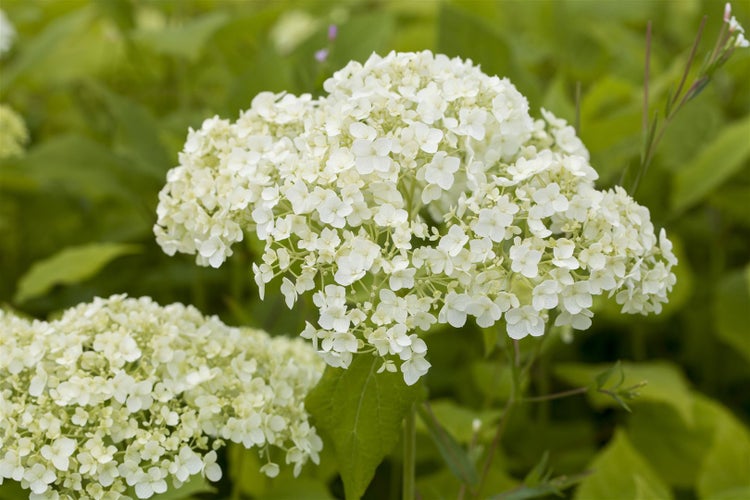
(417, 191)
(123, 397)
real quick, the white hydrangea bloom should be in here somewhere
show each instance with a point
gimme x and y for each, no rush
(419, 190)
(7, 33)
(122, 396)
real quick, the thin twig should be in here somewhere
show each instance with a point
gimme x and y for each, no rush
(556, 395)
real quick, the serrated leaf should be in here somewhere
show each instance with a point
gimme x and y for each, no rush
(619, 471)
(71, 265)
(732, 310)
(453, 454)
(665, 383)
(721, 159)
(361, 412)
(188, 39)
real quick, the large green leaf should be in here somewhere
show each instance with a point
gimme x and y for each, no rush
(674, 448)
(732, 310)
(71, 265)
(361, 412)
(665, 383)
(725, 473)
(721, 159)
(620, 472)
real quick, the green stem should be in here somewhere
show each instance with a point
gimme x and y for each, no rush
(410, 448)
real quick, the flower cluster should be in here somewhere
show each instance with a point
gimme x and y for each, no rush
(13, 132)
(120, 395)
(419, 190)
(7, 33)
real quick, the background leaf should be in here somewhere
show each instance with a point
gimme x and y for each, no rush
(664, 383)
(620, 472)
(71, 265)
(732, 310)
(714, 165)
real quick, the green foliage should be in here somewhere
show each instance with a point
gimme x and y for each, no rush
(361, 412)
(71, 265)
(109, 88)
(609, 475)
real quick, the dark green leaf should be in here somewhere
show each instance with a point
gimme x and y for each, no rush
(361, 411)
(453, 453)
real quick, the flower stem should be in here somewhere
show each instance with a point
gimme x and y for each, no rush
(410, 447)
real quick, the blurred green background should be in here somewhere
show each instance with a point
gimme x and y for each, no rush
(108, 89)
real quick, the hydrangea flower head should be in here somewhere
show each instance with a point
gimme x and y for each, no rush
(122, 397)
(417, 191)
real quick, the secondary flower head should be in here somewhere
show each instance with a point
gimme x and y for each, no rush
(13, 132)
(122, 397)
(7, 33)
(419, 190)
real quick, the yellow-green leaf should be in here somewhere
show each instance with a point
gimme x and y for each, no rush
(665, 383)
(71, 265)
(732, 310)
(620, 472)
(725, 156)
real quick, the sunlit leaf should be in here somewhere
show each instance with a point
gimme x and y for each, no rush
(619, 471)
(664, 383)
(71, 265)
(721, 159)
(732, 310)
(725, 473)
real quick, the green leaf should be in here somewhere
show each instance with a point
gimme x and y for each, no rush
(726, 468)
(137, 133)
(732, 310)
(459, 420)
(721, 159)
(195, 484)
(188, 39)
(81, 166)
(361, 411)
(619, 471)
(554, 486)
(674, 448)
(665, 383)
(71, 265)
(453, 454)
(43, 44)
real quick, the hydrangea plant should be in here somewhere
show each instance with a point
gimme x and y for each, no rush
(122, 396)
(417, 191)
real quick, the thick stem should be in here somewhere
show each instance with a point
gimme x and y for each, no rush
(410, 448)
